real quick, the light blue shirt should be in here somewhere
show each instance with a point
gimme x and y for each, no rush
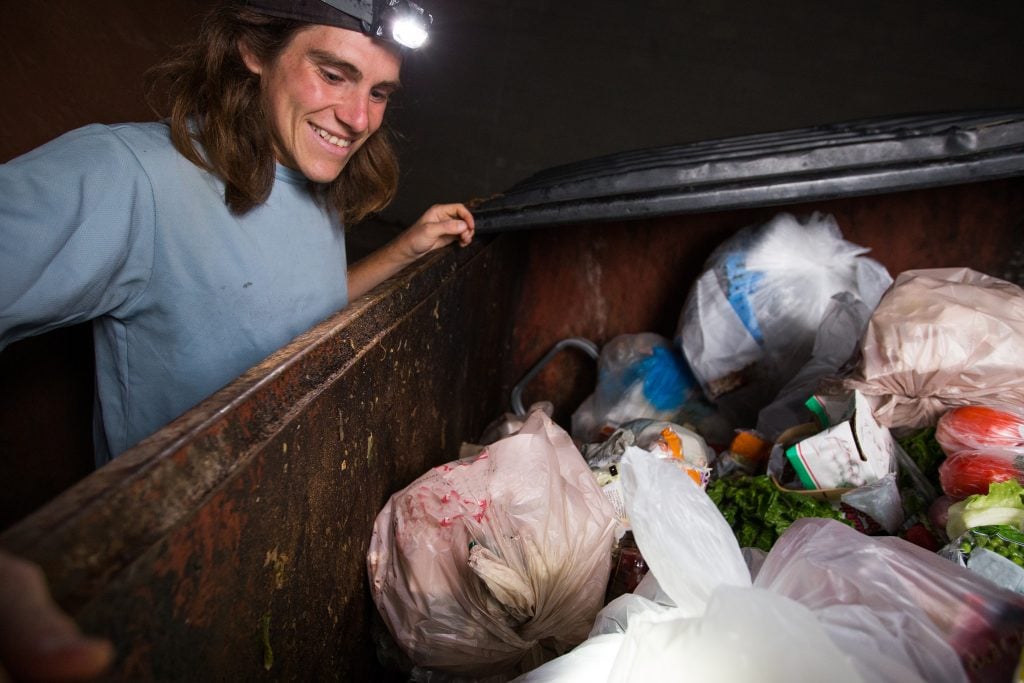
(112, 224)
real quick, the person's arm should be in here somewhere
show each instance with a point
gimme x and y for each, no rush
(76, 233)
(38, 641)
(441, 225)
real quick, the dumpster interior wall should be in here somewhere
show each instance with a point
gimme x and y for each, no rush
(601, 280)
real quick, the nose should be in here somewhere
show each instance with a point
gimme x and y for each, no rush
(353, 111)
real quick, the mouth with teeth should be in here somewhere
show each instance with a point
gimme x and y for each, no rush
(330, 138)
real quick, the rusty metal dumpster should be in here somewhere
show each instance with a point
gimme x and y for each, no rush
(231, 544)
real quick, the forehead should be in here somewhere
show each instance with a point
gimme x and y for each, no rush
(376, 60)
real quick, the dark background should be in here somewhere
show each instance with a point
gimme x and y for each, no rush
(508, 88)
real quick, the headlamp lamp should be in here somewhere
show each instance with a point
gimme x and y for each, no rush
(399, 21)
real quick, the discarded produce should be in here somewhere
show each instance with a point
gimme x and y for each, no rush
(759, 512)
(1004, 504)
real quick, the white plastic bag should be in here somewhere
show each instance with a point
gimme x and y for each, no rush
(684, 539)
(744, 634)
(686, 449)
(488, 566)
(749, 322)
(828, 604)
(699, 619)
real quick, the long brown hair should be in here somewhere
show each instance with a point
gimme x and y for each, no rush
(211, 98)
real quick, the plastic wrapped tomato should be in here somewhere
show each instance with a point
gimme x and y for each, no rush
(981, 427)
(971, 472)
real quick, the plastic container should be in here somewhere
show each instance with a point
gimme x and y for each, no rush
(241, 529)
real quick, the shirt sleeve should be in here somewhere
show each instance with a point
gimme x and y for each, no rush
(76, 233)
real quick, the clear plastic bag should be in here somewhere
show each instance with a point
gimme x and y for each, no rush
(996, 552)
(984, 444)
(658, 439)
(989, 426)
(835, 343)
(942, 338)
(667, 439)
(490, 565)
(749, 323)
(641, 376)
(971, 472)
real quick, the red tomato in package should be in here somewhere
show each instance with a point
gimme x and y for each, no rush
(970, 472)
(980, 427)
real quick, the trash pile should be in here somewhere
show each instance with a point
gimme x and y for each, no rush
(824, 464)
(495, 560)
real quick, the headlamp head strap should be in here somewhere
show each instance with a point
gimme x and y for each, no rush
(398, 21)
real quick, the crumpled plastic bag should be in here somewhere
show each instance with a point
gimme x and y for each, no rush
(987, 550)
(640, 376)
(749, 322)
(685, 449)
(938, 614)
(486, 567)
(835, 343)
(940, 338)
(828, 603)
(663, 439)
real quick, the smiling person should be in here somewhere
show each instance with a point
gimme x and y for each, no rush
(200, 244)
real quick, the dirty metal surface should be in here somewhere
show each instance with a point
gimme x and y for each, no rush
(231, 545)
(598, 280)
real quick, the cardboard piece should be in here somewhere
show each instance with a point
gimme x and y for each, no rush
(851, 454)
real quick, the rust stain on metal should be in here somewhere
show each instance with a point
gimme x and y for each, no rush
(278, 561)
(203, 557)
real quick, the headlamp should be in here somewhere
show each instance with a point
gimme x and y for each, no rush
(399, 21)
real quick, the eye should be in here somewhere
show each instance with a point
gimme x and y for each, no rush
(331, 76)
(378, 95)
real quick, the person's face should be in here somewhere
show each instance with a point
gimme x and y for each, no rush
(325, 94)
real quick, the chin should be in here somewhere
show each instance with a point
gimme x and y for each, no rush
(323, 175)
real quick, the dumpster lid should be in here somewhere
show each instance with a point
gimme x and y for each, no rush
(868, 156)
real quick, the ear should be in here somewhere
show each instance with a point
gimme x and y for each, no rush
(249, 58)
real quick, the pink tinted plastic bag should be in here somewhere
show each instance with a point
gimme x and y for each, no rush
(941, 338)
(488, 566)
(939, 614)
